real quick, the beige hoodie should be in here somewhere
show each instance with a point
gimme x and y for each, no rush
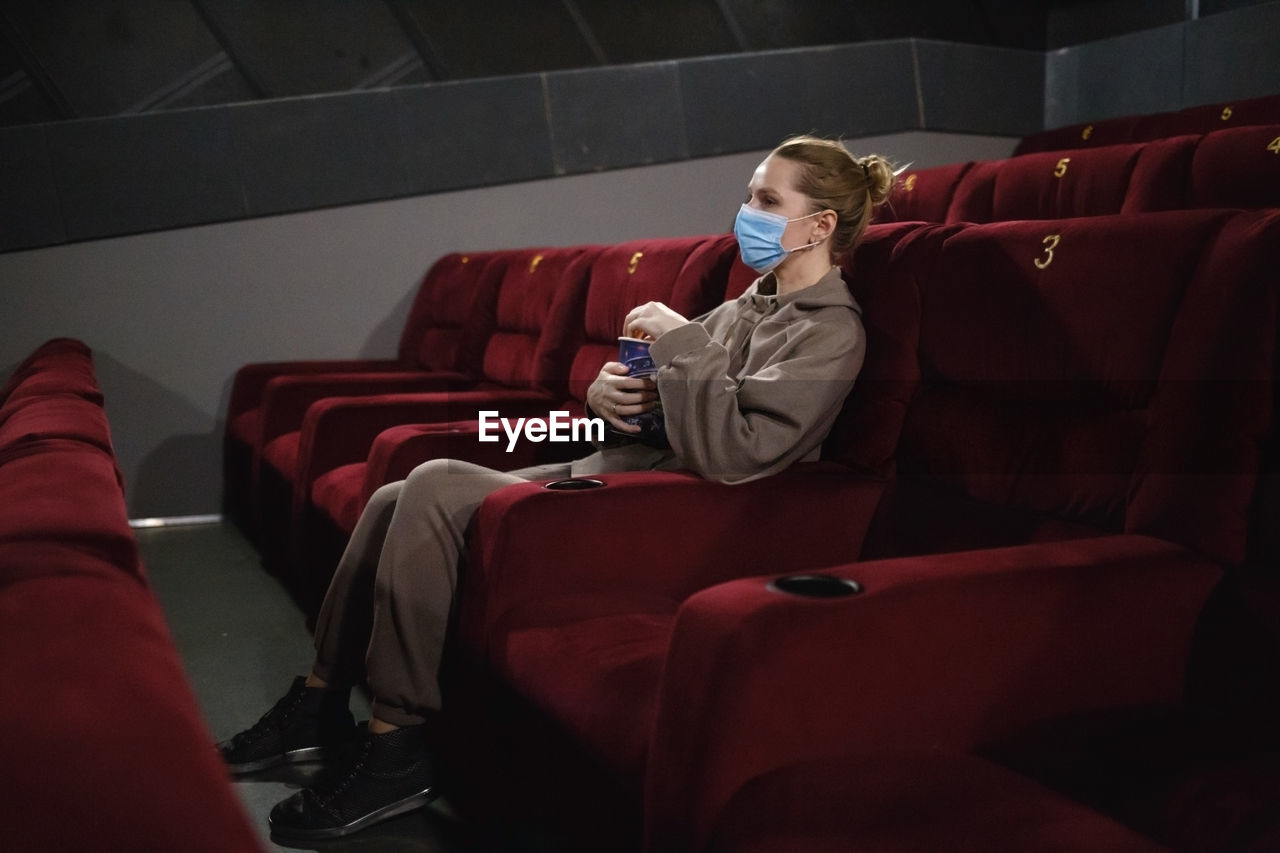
(751, 387)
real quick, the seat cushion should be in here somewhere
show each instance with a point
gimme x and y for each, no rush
(593, 664)
(900, 799)
(337, 493)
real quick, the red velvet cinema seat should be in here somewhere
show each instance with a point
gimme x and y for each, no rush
(913, 798)
(1074, 471)
(447, 325)
(104, 746)
(923, 195)
(688, 273)
(1236, 168)
(1191, 120)
(537, 308)
(1130, 178)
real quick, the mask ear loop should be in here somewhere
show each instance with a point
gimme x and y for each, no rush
(808, 246)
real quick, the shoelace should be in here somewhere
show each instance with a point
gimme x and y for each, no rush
(327, 788)
(284, 707)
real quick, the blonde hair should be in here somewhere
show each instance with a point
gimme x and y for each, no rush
(836, 180)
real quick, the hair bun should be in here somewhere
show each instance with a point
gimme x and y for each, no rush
(880, 177)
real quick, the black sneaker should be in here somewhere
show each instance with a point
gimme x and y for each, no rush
(308, 724)
(390, 775)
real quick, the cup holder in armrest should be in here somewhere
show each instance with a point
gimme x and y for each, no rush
(816, 586)
(573, 484)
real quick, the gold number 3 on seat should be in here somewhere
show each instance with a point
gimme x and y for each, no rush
(1050, 243)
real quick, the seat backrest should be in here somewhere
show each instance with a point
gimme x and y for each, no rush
(538, 318)
(1208, 118)
(1239, 167)
(1085, 134)
(1086, 375)
(1087, 182)
(865, 435)
(445, 328)
(923, 195)
(689, 274)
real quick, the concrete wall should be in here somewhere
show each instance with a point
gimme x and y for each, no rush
(1228, 56)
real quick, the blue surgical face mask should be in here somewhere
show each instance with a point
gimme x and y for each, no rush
(759, 234)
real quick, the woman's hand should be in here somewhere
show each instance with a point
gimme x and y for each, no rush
(614, 395)
(651, 320)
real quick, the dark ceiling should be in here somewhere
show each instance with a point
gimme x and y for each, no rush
(63, 59)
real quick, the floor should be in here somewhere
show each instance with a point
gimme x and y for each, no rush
(242, 640)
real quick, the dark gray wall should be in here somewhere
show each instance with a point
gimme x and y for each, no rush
(1228, 56)
(93, 178)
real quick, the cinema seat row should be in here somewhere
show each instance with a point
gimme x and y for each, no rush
(103, 745)
(1114, 374)
(1141, 128)
(1239, 167)
(1038, 545)
(1027, 598)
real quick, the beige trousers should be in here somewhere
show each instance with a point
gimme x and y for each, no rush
(386, 612)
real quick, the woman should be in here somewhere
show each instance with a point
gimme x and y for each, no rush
(747, 390)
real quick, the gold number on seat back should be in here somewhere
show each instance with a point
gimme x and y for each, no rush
(533, 264)
(1050, 243)
(910, 184)
(1274, 145)
(1087, 132)
(1226, 113)
(635, 262)
(1061, 168)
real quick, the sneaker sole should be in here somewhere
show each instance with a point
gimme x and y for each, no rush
(411, 803)
(296, 756)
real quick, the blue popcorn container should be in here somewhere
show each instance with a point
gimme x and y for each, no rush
(634, 353)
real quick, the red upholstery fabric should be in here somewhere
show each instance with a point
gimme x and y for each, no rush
(339, 492)
(690, 274)
(923, 194)
(890, 800)
(539, 312)
(1192, 120)
(104, 747)
(446, 326)
(31, 418)
(539, 306)
(1159, 179)
(630, 274)
(1237, 168)
(88, 526)
(1088, 182)
(956, 651)
(440, 347)
(1087, 134)
(61, 366)
(1064, 405)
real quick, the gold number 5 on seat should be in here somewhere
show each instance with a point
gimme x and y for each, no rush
(1061, 168)
(1050, 243)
